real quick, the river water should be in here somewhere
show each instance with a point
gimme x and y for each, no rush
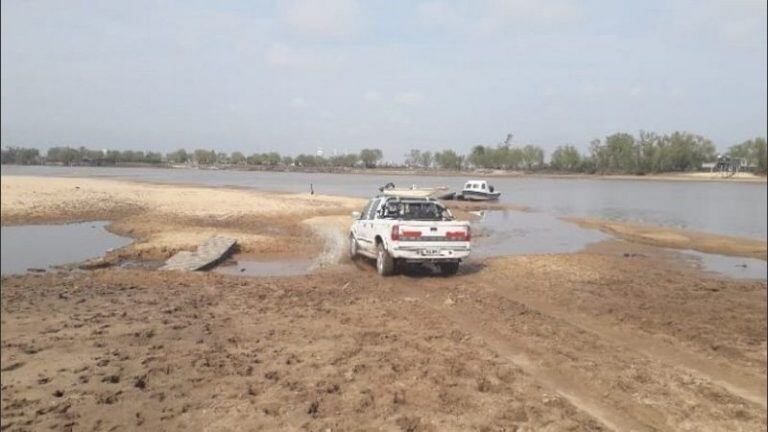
(727, 208)
(43, 246)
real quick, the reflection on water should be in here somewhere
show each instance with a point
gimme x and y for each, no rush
(274, 267)
(41, 246)
(500, 233)
(717, 207)
(736, 267)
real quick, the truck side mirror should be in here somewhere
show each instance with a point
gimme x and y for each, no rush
(355, 215)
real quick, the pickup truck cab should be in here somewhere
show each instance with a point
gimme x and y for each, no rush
(397, 229)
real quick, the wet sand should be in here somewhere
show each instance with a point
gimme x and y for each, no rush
(616, 337)
(678, 238)
(167, 218)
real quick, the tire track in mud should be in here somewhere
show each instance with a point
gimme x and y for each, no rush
(623, 389)
(577, 393)
(748, 386)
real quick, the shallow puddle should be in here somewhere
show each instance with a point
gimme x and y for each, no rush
(500, 233)
(40, 247)
(735, 267)
(249, 266)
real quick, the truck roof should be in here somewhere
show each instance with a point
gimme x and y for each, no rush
(407, 198)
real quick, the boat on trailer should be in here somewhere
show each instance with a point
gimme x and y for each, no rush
(479, 190)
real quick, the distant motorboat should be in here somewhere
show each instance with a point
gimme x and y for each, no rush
(479, 190)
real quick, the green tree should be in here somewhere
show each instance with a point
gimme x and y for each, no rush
(413, 158)
(153, 157)
(237, 158)
(305, 160)
(686, 152)
(754, 151)
(566, 158)
(179, 156)
(272, 158)
(255, 159)
(63, 155)
(449, 160)
(346, 160)
(532, 157)
(205, 157)
(759, 155)
(479, 157)
(620, 152)
(427, 159)
(370, 157)
(21, 156)
(112, 157)
(648, 153)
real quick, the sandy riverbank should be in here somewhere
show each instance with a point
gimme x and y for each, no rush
(588, 341)
(167, 218)
(678, 238)
(617, 337)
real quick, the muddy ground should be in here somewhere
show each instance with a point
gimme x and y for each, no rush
(617, 337)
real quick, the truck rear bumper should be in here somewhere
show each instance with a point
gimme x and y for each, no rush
(430, 253)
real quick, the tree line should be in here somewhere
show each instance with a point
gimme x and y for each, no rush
(619, 153)
(367, 158)
(650, 153)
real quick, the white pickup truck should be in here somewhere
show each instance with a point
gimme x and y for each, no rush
(396, 229)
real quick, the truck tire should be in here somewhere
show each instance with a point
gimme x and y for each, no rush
(385, 265)
(352, 246)
(449, 269)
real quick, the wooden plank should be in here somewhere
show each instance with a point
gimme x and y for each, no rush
(208, 253)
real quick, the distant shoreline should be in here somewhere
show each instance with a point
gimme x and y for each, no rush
(742, 177)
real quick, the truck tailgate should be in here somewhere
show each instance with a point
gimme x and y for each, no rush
(434, 231)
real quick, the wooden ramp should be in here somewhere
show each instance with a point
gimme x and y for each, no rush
(208, 253)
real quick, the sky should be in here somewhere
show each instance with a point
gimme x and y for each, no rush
(342, 75)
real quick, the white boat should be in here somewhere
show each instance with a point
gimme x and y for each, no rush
(479, 190)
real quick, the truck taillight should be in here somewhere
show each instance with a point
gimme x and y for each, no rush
(459, 235)
(469, 233)
(395, 233)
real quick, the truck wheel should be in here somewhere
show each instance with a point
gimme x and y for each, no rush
(352, 247)
(385, 265)
(449, 269)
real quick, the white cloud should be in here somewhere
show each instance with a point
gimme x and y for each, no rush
(485, 17)
(372, 96)
(284, 56)
(550, 91)
(590, 88)
(513, 14)
(742, 24)
(299, 102)
(409, 98)
(738, 23)
(437, 13)
(327, 18)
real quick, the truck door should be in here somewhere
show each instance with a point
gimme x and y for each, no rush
(367, 233)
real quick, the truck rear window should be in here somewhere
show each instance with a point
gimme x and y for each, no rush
(416, 211)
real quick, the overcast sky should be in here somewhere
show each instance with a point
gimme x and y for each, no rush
(293, 76)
